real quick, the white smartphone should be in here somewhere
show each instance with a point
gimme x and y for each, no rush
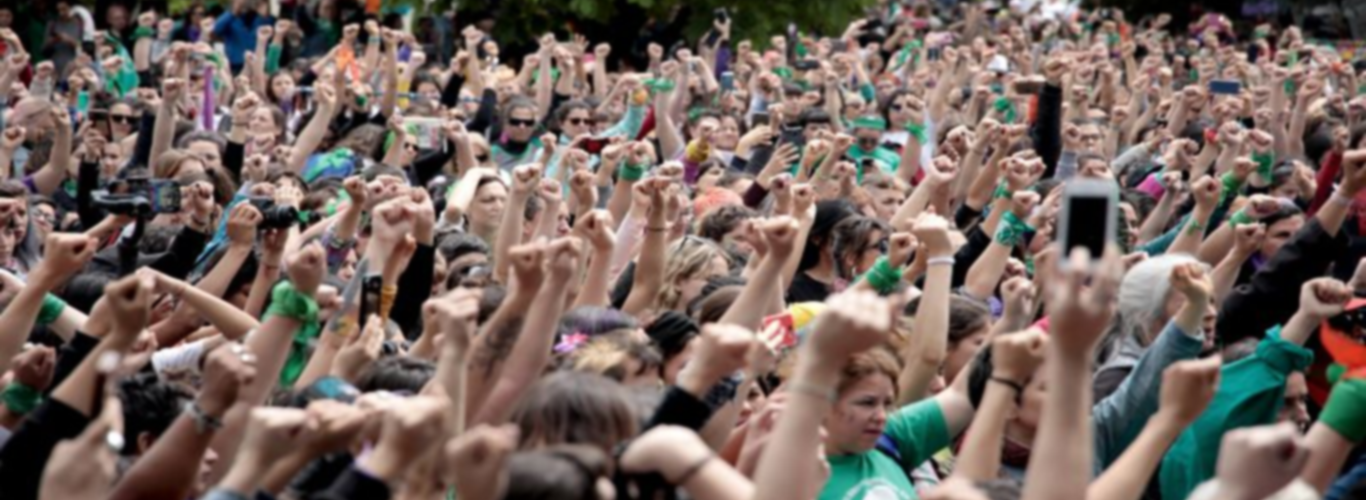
(1090, 209)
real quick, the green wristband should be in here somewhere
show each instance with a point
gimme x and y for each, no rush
(1346, 409)
(51, 310)
(916, 130)
(632, 172)
(660, 85)
(1232, 185)
(289, 302)
(1011, 231)
(1241, 217)
(1006, 108)
(883, 277)
(273, 58)
(21, 399)
(1002, 191)
(1266, 164)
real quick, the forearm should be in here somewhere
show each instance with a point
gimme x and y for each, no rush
(529, 355)
(749, 307)
(649, 275)
(1063, 448)
(926, 351)
(18, 320)
(1156, 223)
(1329, 450)
(548, 221)
(1190, 236)
(170, 468)
(796, 437)
(509, 234)
(1219, 243)
(794, 260)
(491, 345)
(450, 380)
(1225, 275)
(596, 282)
(1128, 476)
(310, 138)
(986, 272)
(980, 458)
(164, 130)
(266, 274)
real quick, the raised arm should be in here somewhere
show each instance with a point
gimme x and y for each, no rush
(525, 178)
(313, 134)
(1079, 318)
(50, 178)
(750, 306)
(649, 274)
(1015, 358)
(529, 355)
(926, 350)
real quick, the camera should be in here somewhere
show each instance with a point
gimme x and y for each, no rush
(274, 216)
(140, 196)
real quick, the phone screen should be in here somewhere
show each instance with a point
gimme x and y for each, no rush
(1086, 224)
(165, 196)
(369, 298)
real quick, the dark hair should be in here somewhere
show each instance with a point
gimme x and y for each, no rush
(563, 111)
(574, 408)
(710, 308)
(828, 214)
(722, 220)
(851, 237)
(562, 472)
(397, 374)
(150, 406)
(374, 171)
(453, 246)
(203, 136)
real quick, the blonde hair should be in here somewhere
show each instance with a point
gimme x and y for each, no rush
(610, 355)
(688, 258)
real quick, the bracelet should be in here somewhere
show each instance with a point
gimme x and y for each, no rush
(916, 130)
(811, 390)
(1194, 226)
(203, 422)
(1018, 387)
(21, 399)
(1006, 108)
(692, 470)
(942, 260)
(1002, 191)
(1240, 217)
(1266, 164)
(51, 310)
(1011, 231)
(657, 229)
(1340, 199)
(883, 277)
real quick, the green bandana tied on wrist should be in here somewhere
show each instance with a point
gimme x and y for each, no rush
(1241, 218)
(883, 276)
(1006, 108)
(51, 310)
(659, 85)
(143, 32)
(1346, 408)
(633, 172)
(1002, 191)
(288, 302)
(21, 399)
(1011, 231)
(1266, 164)
(784, 73)
(917, 130)
(1232, 185)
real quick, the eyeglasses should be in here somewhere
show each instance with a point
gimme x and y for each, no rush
(121, 118)
(577, 122)
(412, 146)
(517, 122)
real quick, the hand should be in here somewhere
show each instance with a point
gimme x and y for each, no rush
(227, 370)
(525, 179)
(1019, 294)
(780, 235)
(562, 258)
(1016, 356)
(1080, 313)
(458, 315)
(667, 449)
(900, 247)
(550, 192)
(424, 214)
(273, 246)
(242, 223)
(264, 34)
(853, 322)
(1324, 298)
(1190, 279)
(526, 264)
(13, 138)
(596, 228)
(477, 458)
(34, 368)
(84, 467)
(360, 351)
(355, 189)
(411, 427)
(306, 267)
(1248, 238)
(942, 171)
(1206, 191)
(1353, 172)
(718, 351)
(1257, 460)
(337, 426)
(393, 220)
(655, 51)
(273, 433)
(1261, 206)
(63, 256)
(933, 233)
(197, 199)
(1188, 387)
(581, 186)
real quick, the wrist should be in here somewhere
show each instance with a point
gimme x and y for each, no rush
(383, 464)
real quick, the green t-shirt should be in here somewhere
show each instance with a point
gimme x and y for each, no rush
(919, 431)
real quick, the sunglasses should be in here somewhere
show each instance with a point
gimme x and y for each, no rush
(121, 118)
(517, 122)
(578, 121)
(412, 146)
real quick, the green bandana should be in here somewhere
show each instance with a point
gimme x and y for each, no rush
(870, 122)
(1266, 164)
(917, 130)
(1006, 108)
(784, 73)
(659, 85)
(1011, 231)
(288, 302)
(883, 276)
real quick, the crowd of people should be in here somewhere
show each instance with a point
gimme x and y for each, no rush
(303, 253)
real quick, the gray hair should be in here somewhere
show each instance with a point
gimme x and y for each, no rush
(1142, 301)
